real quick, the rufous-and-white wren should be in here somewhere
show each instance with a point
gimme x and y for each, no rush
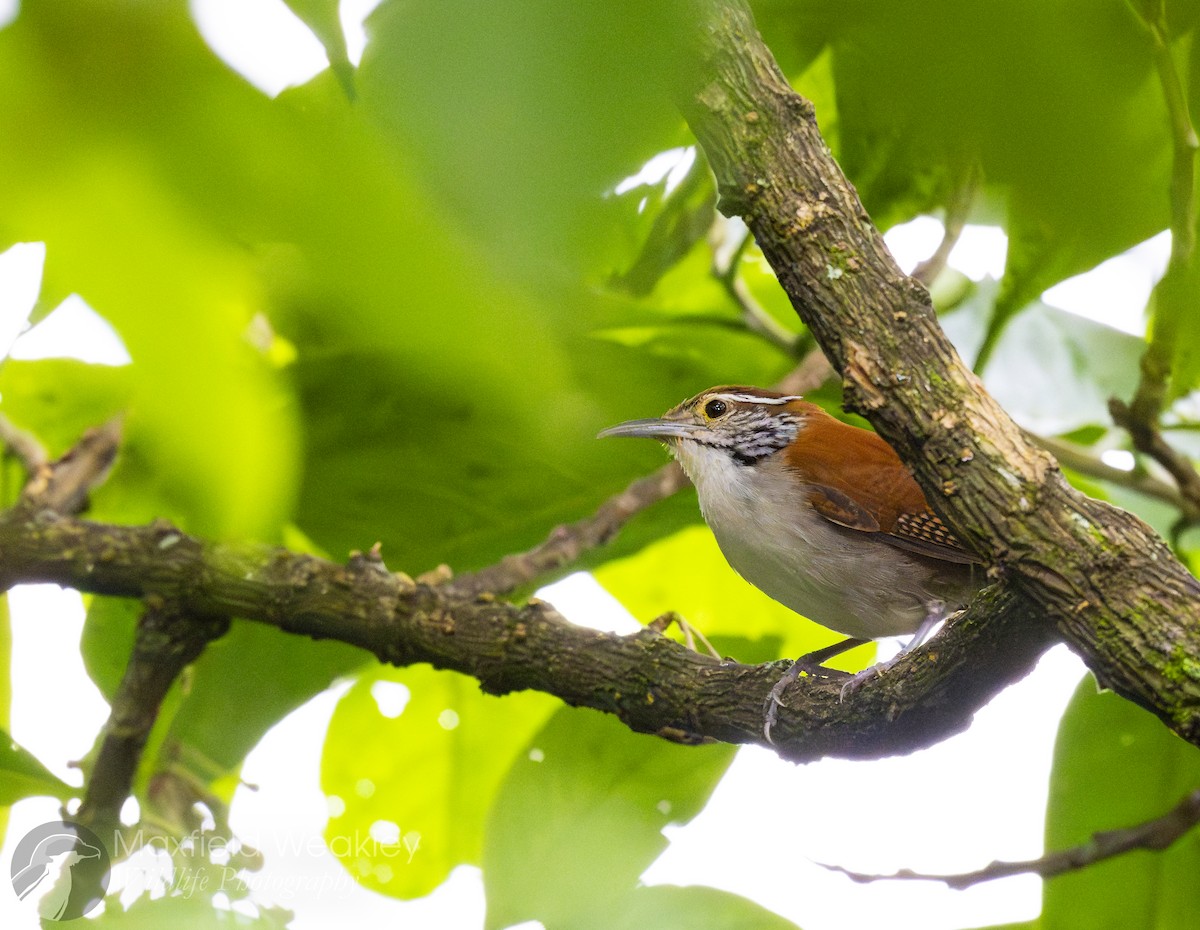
(822, 516)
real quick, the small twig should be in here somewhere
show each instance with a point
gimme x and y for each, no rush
(813, 371)
(1149, 440)
(1153, 835)
(957, 210)
(63, 485)
(23, 445)
(1079, 459)
(168, 639)
(725, 263)
(566, 544)
(1141, 416)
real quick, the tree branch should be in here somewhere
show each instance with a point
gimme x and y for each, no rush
(1174, 295)
(1153, 835)
(652, 683)
(169, 638)
(1079, 459)
(63, 485)
(1117, 594)
(24, 446)
(566, 544)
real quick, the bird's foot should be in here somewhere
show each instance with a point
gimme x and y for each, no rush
(858, 679)
(662, 623)
(774, 699)
(811, 665)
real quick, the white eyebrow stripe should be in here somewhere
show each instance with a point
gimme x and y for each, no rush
(755, 399)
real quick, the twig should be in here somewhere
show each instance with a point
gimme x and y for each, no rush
(1079, 459)
(23, 445)
(725, 264)
(957, 210)
(63, 485)
(566, 544)
(1149, 440)
(168, 639)
(1141, 416)
(1155, 835)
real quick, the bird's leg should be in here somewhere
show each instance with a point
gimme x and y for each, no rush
(811, 663)
(662, 623)
(935, 614)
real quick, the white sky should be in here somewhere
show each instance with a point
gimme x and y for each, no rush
(767, 823)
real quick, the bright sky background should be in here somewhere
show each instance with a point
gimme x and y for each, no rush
(762, 833)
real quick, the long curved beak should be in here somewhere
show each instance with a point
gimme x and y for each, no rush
(654, 428)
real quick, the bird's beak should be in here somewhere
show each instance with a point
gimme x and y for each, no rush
(654, 428)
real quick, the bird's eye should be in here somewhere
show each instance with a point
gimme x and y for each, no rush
(714, 409)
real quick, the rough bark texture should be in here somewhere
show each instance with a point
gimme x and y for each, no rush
(650, 682)
(1117, 594)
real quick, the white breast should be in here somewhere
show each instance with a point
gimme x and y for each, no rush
(839, 578)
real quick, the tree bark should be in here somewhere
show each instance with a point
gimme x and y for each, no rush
(650, 682)
(1113, 588)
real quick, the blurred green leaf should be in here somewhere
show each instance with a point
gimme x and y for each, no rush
(246, 682)
(107, 640)
(428, 773)
(586, 804)
(522, 114)
(671, 907)
(1116, 766)
(189, 912)
(321, 16)
(23, 776)
(58, 399)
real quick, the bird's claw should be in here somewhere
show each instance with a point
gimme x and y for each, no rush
(661, 623)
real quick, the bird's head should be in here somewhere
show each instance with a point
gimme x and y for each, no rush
(746, 424)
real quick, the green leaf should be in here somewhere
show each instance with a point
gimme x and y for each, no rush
(1116, 766)
(504, 107)
(586, 804)
(23, 776)
(321, 16)
(231, 703)
(194, 912)
(58, 399)
(107, 640)
(671, 907)
(429, 773)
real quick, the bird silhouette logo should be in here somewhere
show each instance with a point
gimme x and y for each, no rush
(63, 868)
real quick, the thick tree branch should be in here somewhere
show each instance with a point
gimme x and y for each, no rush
(1118, 595)
(652, 683)
(1153, 835)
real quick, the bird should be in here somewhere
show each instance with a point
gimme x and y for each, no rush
(821, 516)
